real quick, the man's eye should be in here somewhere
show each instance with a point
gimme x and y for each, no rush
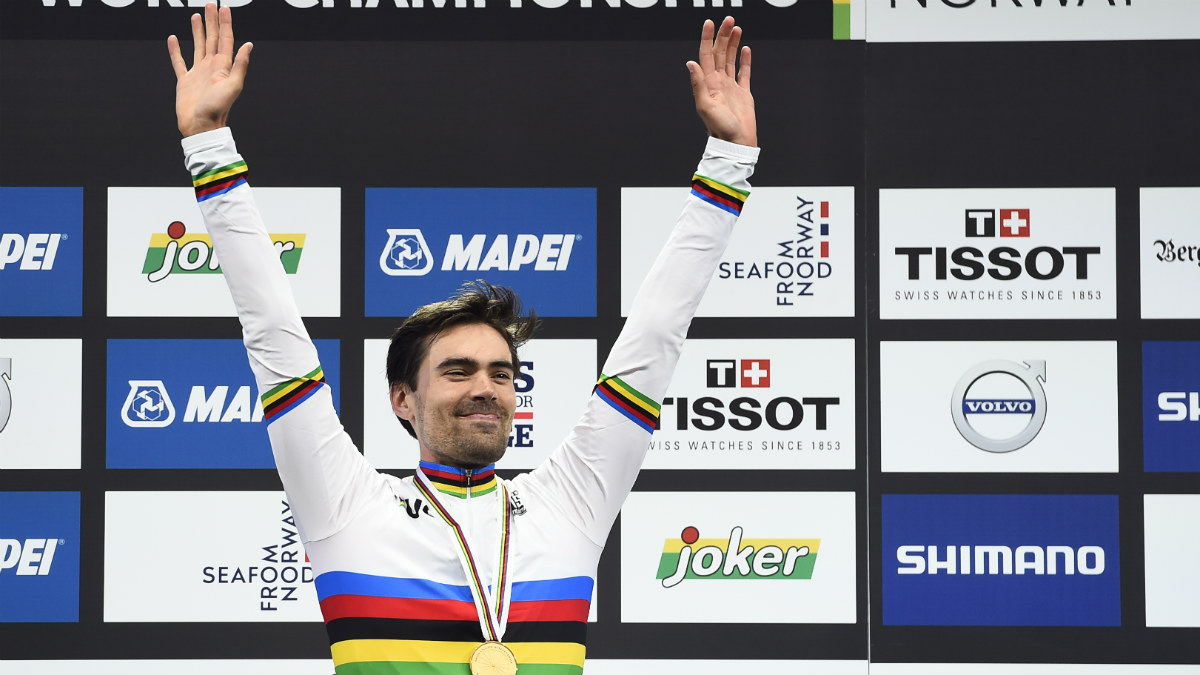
(503, 376)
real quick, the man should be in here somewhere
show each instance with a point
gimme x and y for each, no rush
(453, 570)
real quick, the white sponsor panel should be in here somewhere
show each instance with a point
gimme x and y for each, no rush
(40, 403)
(738, 557)
(170, 667)
(305, 225)
(1041, 253)
(1031, 20)
(792, 251)
(998, 407)
(1170, 252)
(758, 404)
(215, 556)
(556, 383)
(1172, 548)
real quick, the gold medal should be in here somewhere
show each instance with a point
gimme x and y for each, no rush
(493, 658)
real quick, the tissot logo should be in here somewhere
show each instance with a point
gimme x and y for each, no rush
(1000, 406)
(739, 372)
(690, 557)
(982, 222)
(1030, 253)
(178, 252)
(746, 413)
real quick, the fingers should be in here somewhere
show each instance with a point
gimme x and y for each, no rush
(225, 43)
(242, 63)
(722, 44)
(197, 39)
(731, 53)
(696, 73)
(706, 46)
(744, 73)
(211, 32)
(177, 63)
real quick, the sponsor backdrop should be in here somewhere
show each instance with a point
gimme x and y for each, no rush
(938, 412)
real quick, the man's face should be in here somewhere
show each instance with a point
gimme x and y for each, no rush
(463, 406)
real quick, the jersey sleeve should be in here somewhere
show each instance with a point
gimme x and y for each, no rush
(324, 475)
(592, 471)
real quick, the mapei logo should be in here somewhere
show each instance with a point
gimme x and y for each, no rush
(690, 557)
(5, 392)
(33, 252)
(745, 413)
(1000, 406)
(177, 252)
(31, 557)
(1003, 263)
(407, 254)
(148, 405)
(1003, 560)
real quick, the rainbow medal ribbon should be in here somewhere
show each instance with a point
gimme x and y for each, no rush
(492, 657)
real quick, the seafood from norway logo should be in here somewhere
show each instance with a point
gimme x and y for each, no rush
(177, 252)
(690, 557)
(800, 261)
(284, 568)
(521, 435)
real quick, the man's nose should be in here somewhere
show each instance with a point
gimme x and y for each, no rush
(482, 386)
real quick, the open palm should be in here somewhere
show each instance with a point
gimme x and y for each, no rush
(722, 92)
(204, 94)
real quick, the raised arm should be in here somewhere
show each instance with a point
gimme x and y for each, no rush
(325, 477)
(594, 469)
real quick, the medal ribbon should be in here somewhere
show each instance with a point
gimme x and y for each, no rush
(491, 621)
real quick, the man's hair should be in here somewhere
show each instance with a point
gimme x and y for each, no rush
(476, 302)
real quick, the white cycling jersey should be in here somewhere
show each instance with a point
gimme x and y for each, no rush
(393, 591)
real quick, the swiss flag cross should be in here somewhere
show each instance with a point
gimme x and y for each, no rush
(756, 372)
(1014, 222)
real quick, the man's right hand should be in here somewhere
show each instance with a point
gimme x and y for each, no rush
(204, 94)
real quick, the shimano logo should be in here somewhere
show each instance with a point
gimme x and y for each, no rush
(407, 254)
(35, 252)
(1176, 406)
(31, 557)
(1004, 560)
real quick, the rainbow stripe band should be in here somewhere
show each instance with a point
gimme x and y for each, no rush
(290, 394)
(629, 402)
(454, 481)
(719, 195)
(220, 180)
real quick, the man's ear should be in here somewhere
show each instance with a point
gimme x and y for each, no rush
(402, 402)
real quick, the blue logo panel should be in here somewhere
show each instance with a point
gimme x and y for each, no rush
(190, 404)
(1001, 560)
(422, 244)
(39, 556)
(41, 251)
(1171, 406)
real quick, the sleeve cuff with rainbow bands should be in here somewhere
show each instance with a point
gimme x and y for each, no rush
(220, 180)
(629, 402)
(290, 394)
(718, 194)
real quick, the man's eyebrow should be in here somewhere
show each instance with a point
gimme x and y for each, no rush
(464, 362)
